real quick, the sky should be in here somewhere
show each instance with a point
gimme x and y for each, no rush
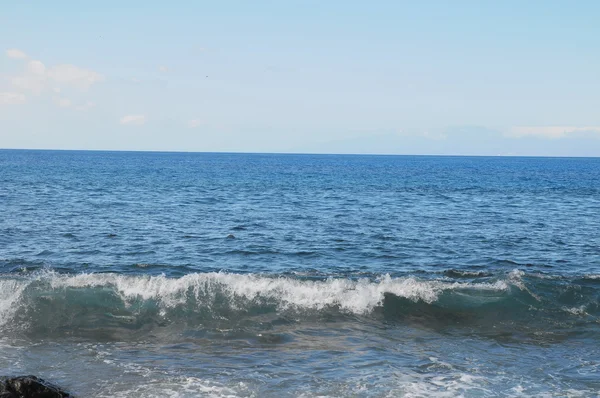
(390, 77)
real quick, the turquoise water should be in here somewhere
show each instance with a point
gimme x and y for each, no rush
(175, 274)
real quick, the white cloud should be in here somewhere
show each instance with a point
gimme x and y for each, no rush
(33, 80)
(133, 120)
(55, 81)
(86, 106)
(30, 82)
(62, 102)
(552, 132)
(195, 123)
(74, 76)
(36, 67)
(163, 69)
(7, 98)
(37, 77)
(15, 54)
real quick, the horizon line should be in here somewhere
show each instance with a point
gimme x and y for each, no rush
(295, 153)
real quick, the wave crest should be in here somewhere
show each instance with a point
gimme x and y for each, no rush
(216, 291)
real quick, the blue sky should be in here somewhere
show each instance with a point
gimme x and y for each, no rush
(428, 77)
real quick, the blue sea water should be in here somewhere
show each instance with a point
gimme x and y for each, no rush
(196, 274)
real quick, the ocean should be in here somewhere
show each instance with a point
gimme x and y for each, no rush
(138, 274)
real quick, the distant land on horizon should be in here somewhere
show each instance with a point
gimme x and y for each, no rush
(124, 151)
(456, 141)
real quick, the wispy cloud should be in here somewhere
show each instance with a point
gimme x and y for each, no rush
(33, 79)
(62, 102)
(552, 132)
(86, 106)
(163, 69)
(15, 54)
(36, 67)
(36, 78)
(31, 84)
(7, 98)
(74, 76)
(133, 120)
(195, 123)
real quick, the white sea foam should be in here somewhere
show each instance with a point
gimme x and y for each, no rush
(581, 310)
(515, 277)
(592, 276)
(354, 296)
(455, 384)
(177, 387)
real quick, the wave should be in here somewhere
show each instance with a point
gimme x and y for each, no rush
(46, 301)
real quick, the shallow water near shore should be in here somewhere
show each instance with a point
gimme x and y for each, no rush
(249, 275)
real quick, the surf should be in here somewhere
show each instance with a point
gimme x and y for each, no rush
(51, 302)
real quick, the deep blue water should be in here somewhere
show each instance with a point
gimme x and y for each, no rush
(196, 274)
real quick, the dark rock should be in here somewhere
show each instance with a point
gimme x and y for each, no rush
(29, 387)
(230, 236)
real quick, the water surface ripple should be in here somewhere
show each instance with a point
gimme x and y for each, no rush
(251, 275)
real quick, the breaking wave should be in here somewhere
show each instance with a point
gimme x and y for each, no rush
(47, 301)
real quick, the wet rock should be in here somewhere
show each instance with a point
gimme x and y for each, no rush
(30, 387)
(230, 236)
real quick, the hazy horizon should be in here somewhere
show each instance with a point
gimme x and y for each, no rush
(290, 153)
